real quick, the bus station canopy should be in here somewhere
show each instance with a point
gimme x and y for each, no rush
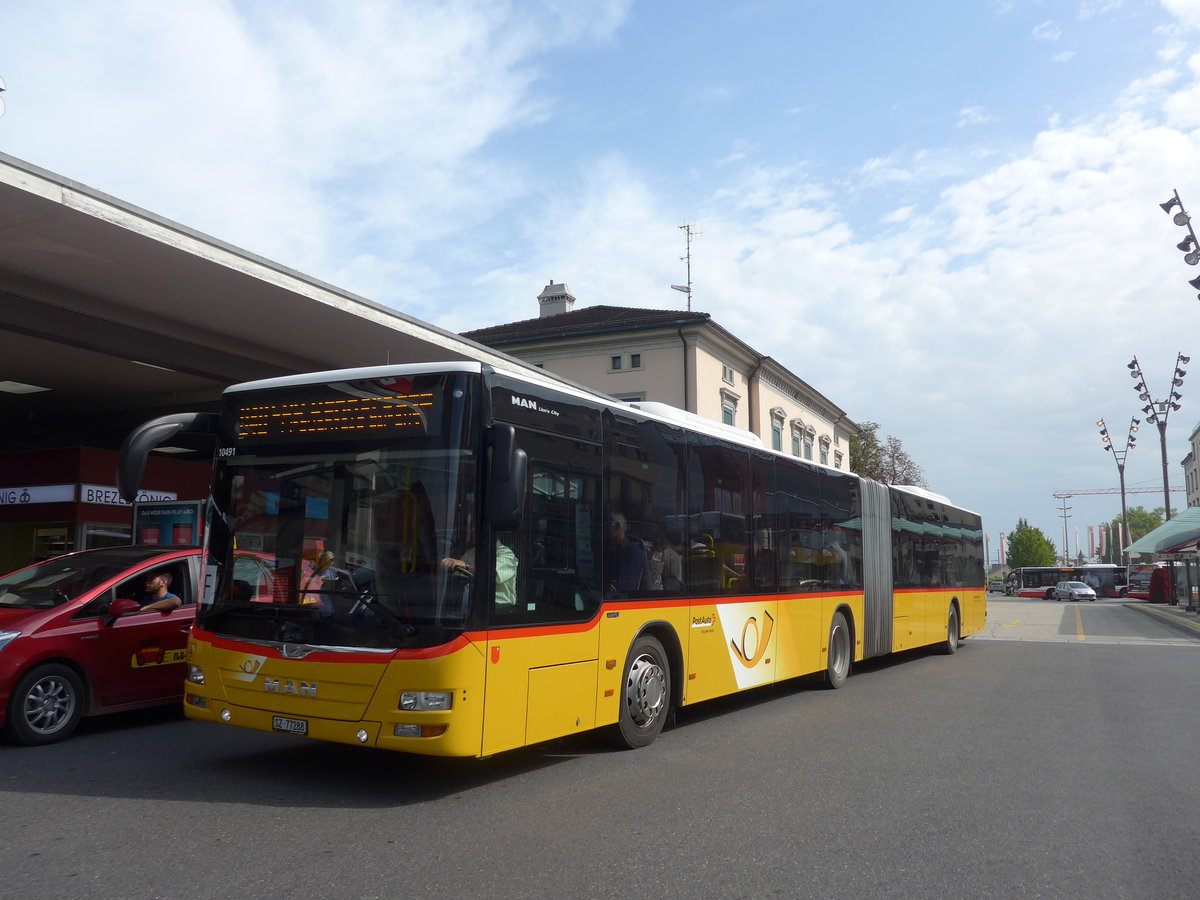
(111, 314)
(1180, 532)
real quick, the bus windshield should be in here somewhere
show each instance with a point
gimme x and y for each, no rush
(336, 538)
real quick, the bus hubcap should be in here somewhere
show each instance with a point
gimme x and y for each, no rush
(645, 691)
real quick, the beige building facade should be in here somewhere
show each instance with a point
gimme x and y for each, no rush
(1191, 469)
(684, 359)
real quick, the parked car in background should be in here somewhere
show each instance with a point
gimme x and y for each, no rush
(1073, 590)
(997, 585)
(74, 640)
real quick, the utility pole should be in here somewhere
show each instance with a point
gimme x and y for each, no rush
(1066, 515)
(689, 232)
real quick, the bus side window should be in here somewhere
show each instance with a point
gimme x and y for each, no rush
(558, 544)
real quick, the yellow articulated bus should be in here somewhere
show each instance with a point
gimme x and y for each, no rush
(456, 560)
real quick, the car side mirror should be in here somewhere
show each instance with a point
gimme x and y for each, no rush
(122, 606)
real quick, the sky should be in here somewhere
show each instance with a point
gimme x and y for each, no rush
(942, 214)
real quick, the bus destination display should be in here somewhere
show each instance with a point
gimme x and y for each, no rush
(336, 417)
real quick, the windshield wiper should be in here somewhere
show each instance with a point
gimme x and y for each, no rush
(365, 596)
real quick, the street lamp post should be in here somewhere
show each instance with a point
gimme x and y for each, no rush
(1119, 458)
(1190, 245)
(1158, 411)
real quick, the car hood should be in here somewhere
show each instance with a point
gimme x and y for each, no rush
(18, 619)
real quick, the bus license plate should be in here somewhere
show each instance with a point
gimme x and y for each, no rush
(290, 726)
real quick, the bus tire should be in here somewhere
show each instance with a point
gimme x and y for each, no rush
(950, 647)
(46, 705)
(840, 653)
(645, 695)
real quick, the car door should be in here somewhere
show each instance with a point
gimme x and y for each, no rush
(141, 656)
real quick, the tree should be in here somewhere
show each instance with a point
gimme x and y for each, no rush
(885, 461)
(1141, 523)
(1028, 546)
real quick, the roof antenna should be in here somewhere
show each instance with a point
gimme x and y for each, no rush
(690, 231)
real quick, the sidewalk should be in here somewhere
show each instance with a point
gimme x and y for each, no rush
(1176, 616)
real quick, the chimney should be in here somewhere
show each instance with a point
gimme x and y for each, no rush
(555, 299)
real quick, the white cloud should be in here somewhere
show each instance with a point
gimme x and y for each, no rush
(1047, 31)
(1187, 12)
(973, 115)
(896, 217)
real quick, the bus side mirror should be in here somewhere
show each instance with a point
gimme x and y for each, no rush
(506, 486)
(138, 443)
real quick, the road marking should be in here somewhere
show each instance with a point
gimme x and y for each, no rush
(1079, 625)
(1012, 624)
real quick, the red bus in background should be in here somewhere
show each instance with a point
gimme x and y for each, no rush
(1105, 579)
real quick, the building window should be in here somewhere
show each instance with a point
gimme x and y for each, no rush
(635, 360)
(777, 419)
(837, 459)
(615, 363)
(729, 405)
(632, 398)
(824, 450)
(795, 445)
(727, 374)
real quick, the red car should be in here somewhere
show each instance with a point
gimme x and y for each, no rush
(74, 640)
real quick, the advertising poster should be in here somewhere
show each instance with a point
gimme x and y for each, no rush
(168, 522)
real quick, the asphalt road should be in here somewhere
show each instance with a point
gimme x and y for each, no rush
(1032, 763)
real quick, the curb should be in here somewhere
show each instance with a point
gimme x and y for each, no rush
(1180, 621)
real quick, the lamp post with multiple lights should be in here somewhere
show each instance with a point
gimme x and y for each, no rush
(1190, 245)
(1119, 458)
(1158, 411)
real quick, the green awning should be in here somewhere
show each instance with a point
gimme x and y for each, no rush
(1181, 531)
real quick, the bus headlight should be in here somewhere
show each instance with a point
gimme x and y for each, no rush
(195, 674)
(426, 700)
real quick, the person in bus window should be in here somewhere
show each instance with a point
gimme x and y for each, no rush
(672, 574)
(158, 594)
(626, 557)
(506, 571)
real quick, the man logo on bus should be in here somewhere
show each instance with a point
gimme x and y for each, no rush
(753, 644)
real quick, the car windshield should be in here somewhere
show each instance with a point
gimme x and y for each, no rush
(58, 581)
(1077, 586)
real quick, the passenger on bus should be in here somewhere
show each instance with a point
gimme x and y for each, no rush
(626, 556)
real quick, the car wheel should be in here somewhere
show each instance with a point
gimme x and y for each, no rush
(46, 705)
(645, 695)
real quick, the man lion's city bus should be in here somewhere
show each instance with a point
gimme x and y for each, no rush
(1106, 579)
(457, 560)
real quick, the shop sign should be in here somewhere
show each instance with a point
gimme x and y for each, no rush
(39, 493)
(105, 495)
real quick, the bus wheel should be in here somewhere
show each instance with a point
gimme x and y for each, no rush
(837, 666)
(645, 695)
(952, 632)
(46, 705)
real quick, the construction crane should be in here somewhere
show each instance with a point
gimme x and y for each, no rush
(1062, 495)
